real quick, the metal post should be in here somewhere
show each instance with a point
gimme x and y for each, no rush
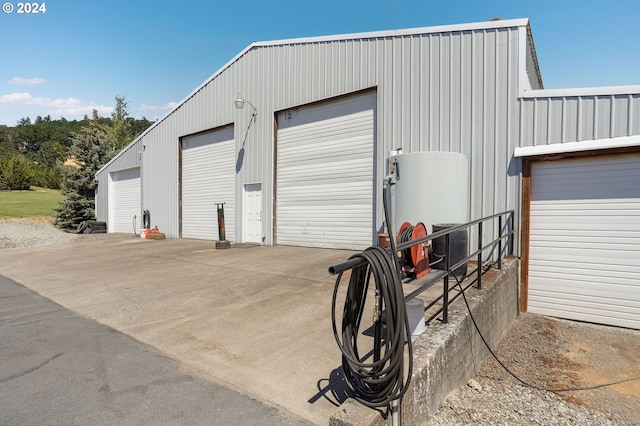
(445, 294)
(480, 255)
(511, 227)
(395, 413)
(222, 238)
(500, 242)
(377, 328)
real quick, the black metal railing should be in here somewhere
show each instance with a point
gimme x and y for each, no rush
(497, 248)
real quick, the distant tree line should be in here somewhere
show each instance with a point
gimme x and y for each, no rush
(33, 153)
(65, 155)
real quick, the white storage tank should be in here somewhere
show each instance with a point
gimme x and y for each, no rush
(431, 187)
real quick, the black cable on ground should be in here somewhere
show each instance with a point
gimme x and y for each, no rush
(378, 382)
(541, 388)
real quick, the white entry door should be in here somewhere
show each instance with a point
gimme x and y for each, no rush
(253, 213)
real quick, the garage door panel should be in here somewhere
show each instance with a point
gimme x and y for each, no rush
(125, 201)
(584, 277)
(208, 177)
(591, 302)
(594, 314)
(340, 172)
(579, 239)
(593, 307)
(324, 177)
(602, 259)
(580, 288)
(584, 248)
(580, 264)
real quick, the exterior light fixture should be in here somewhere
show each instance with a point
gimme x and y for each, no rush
(239, 102)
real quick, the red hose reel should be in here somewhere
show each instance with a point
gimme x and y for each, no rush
(415, 260)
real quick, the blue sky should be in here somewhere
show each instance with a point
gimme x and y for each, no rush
(80, 54)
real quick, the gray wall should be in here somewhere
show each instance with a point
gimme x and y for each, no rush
(557, 118)
(474, 89)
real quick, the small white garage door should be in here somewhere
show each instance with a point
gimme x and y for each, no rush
(208, 177)
(325, 180)
(125, 201)
(584, 252)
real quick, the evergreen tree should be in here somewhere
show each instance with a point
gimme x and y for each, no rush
(120, 130)
(90, 150)
(16, 173)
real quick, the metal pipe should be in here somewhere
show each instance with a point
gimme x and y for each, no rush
(352, 263)
(500, 242)
(395, 415)
(221, 231)
(479, 255)
(445, 290)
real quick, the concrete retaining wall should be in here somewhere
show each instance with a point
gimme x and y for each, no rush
(446, 356)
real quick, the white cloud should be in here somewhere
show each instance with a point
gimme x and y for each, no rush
(55, 106)
(15, 98)
(165, 107)
(20, 81)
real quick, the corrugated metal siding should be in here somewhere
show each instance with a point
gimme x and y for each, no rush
(451, 91)
(548, 120)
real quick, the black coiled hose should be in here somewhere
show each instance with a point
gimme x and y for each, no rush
(405, 236)
(375, 383)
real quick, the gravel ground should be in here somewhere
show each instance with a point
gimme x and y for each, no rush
(26, 234)
(555, 354)
(547, 352)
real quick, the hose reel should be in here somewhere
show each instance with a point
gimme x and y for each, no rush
(414, 260)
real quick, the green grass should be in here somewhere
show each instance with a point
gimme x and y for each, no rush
(36, 203)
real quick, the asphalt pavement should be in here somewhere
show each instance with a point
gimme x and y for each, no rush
(58, 368)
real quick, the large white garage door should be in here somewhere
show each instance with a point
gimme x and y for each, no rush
(208, 177)
(325, 180)
(125, 201)
(585, 239)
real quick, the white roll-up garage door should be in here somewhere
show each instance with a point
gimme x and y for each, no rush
(324, 170)
(125, 201)
(208, 177)
(584, 252)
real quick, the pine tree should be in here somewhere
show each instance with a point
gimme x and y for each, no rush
(120, 131)
(90, 150)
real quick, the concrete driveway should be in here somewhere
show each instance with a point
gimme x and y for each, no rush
(61, 369)
(256, 319)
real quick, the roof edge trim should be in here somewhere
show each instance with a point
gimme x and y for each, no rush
(581, 91)
(568, 147)
(508, 23)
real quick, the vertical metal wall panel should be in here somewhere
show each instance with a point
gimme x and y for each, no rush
(558, 119)
(634, 114)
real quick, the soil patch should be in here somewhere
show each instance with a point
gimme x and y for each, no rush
(560, 354)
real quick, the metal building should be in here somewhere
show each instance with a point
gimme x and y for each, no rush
(303, 162)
